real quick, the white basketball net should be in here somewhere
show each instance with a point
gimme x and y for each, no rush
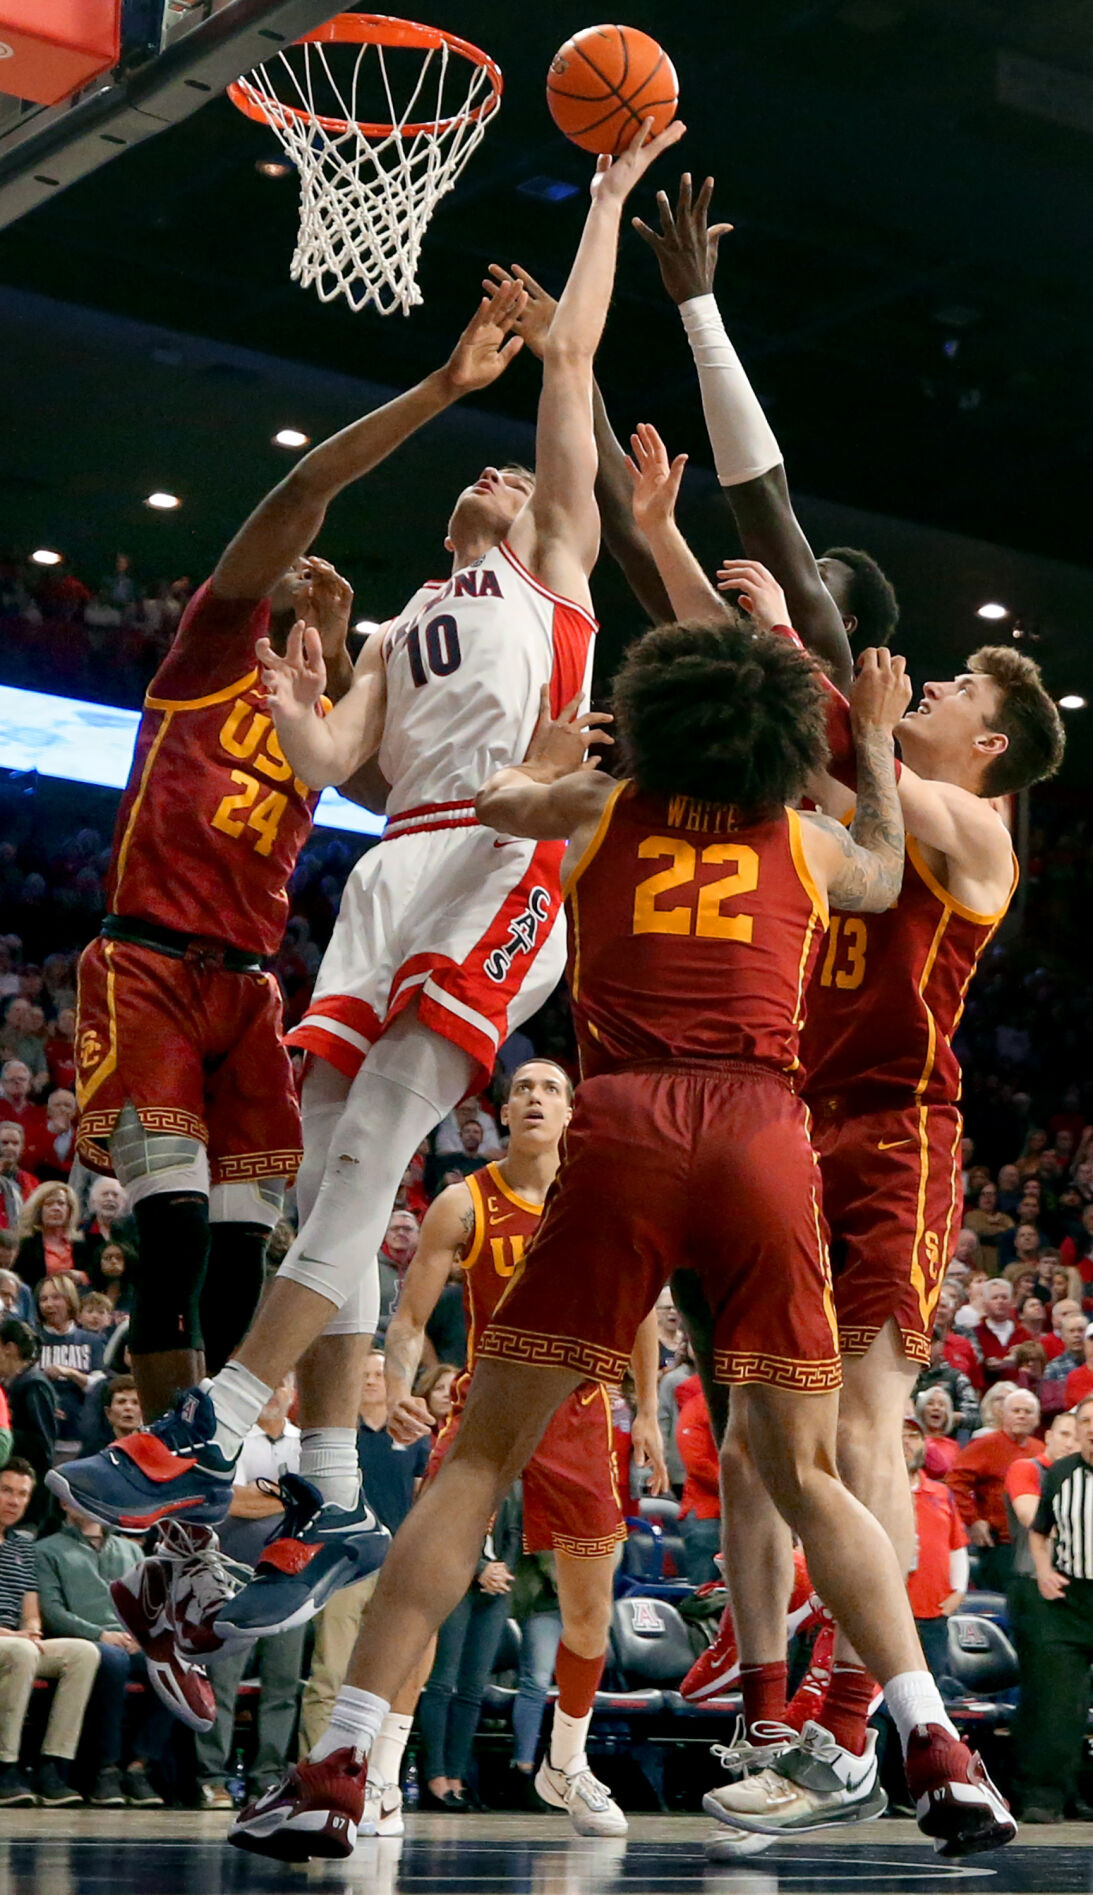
(366, 201)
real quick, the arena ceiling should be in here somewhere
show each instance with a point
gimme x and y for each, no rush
(909, 281)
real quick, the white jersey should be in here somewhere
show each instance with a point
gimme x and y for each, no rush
(465, 661)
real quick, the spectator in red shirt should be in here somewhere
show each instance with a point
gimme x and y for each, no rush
(1079, 1383)
(935, 1419)
(700, 1509)
(939, 1579)
(55, 1146)
(61, 1050)
(1032, 1314)
(977, 1478)
(997, 1336)
(1052, 1338)
(1076, 1253)
(15, 1101)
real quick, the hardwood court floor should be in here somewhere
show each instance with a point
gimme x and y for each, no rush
(84, 1852)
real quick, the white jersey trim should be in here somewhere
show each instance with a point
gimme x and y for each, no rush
(558, 598)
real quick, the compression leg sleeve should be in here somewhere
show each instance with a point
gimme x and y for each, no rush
(174, 1251)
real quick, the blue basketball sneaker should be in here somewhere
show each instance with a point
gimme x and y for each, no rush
(171, 1470)
(317, 1549)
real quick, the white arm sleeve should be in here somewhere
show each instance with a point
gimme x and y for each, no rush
(740, 434)
(959, 1569)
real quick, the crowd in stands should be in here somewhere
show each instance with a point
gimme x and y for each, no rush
(1012, 1351)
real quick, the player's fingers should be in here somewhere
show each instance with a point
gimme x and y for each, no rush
(511, 348)
(683, 208)
(498, 271)
(702, 201)
(632, 469)
(643, 230)
(525, 277)
(676, 469)
(568, 713)
(717, 231)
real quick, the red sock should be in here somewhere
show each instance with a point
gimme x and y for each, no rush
(578, 1681)
(845, 1710)
(764, 1690)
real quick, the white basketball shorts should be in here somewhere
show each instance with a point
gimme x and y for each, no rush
(467, 923)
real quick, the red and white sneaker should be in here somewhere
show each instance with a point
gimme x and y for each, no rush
(169, 1605)
(142, 1601)
(718, 1668)
(315, 1810)
(955, 1801)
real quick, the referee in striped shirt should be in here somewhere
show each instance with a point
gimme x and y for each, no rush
(1061, 1544)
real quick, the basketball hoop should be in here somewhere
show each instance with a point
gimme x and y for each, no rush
(369, 187)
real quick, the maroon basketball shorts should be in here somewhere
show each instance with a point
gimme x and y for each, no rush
(699, 1166)
(893, 1199)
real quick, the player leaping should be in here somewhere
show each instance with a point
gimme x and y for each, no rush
(447, 937)
(883, 1084)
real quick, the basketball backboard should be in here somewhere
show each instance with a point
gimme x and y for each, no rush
(176, 55)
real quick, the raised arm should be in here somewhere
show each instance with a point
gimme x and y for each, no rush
(655, 485)
(445, 1234)
(624, 540)
(323, 750)
(283, 525)
(863, 870)
(746, 453)
(558, 535)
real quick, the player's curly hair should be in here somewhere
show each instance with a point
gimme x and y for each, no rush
(720, 712)
(872, 599)
(1026, 714)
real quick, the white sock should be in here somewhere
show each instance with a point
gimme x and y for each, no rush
(913, 1698)
(567, 1741)
(354, 1723)
(238, 1398)
(328, 1459)
(385, 1757)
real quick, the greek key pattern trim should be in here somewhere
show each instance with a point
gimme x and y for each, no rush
(916, 1346)
(153, 1118)
(554, 1352)
(778, 1371)
(257, 1164)
(585, 1549)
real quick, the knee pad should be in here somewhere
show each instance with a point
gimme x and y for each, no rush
(257, 1201)
(149, 1163)
(233, 1287)
(360, 1313)
(174, 1254)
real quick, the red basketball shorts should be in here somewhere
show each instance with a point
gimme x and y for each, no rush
(893, 1200)
(195, 1049)
(571, 1495)
(682, 1167)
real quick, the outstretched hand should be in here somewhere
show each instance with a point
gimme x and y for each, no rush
(534, 319)
(656, 480)
(294, 684)
(881, 691)
(760, 595)
(686, 245)
(325, 602)
(559, 745)
(482, 352)
(615, 178)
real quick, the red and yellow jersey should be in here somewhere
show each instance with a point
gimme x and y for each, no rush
(504, 1225)
(887, 996)
(212, 819)
(693, 932)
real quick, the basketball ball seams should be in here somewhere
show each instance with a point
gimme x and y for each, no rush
(608, 84)
(633, 67)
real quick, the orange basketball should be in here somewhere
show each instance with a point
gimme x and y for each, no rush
(605, 81)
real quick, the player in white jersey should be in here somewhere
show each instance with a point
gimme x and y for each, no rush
(449, 936)
(471, 933)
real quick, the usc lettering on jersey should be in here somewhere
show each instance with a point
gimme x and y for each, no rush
(693, 932)
(887, 997)
(212, 818)
(465, 664)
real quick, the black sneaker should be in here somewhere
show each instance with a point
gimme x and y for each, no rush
(52, 1787)
(108, 1792)
(15, 1791)
(137, 1788)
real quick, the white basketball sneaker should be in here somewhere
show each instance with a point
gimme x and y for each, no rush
(811, 1785)
(589, 1803)
(382, 1809)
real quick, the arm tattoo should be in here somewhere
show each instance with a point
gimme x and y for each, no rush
(873, 850)
(402, 1354)
(466, 1225)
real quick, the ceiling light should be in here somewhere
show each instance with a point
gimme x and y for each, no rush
(45, 556)
(272, 168)
(291, 437)
(163, 502)
(992, 611)
(366, 626)
(1072, 702)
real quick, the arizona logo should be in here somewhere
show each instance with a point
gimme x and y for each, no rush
(523, 934)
